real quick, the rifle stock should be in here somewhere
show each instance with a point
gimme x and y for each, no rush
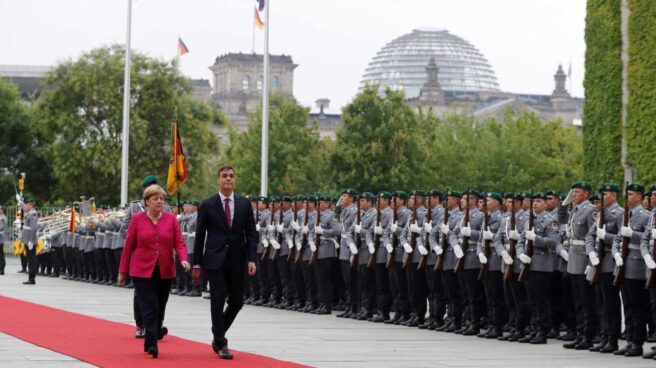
(372, 257)
(482, 273)
(391, 258)
(601, 248)
(444, 243)
(512, 244)
(619, 271)
(465, 241)
(526, 267)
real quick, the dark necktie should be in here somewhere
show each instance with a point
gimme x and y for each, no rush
(228, 215)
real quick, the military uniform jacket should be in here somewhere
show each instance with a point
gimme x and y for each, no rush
(385, 222)
(30, 223)
(331, 232)
(263, 223)
(99, 233)
(455, 216)
(613, 217)
(287, 218)
(368, 221)
(419, 239)
(476, 225)
(347, 222)
(501, 240)
(311, 221)
(579, 222)
(634, 264)
(437, 218)
(3, 228)
(117, 241)
(190, 236)
(647, 241)
(273, 234)
(403, 220)
(297, 236)
(494, 259)
(547, 239)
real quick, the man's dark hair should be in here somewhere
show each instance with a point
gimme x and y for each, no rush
(225, 168)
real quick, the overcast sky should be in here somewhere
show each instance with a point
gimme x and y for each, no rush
(331, 41)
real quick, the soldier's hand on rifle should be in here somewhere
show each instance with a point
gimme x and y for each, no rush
(564, 255)
(378, 230)
(457, 250)
(389, 248)
(444, 228)
(438, 250)
(407, 248)
(275, 244)
(507, 259)
(627, 231)
(487, 234)
(318, 230)
(305, 229)
(618, 259)
(422, 250)
(530, 235)
(298, 246)
(271, 228)
(372, 248)
(289, 244)
(649, 261)
(482, 258)
(353, 248)
(358, 228)
(415, 228)
(296, 226)
(569, 198)
(280, 228)
(524, 258)
(428, 227)
(514, 235)
(313, 247)
(653, 234)
(601, 232)
(30, 245)
(594, 258)
(265, 243)
(257, 227)
(394, 227)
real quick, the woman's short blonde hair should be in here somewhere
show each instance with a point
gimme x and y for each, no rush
(152, 190)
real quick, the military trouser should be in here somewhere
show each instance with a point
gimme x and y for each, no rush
(637, 301)
(497, 314)
(383, 293)
(254, 284)
(367, 286)
(179, 282)
(112, 268)
(417, 290)
(285, 278)
(311, 291)
(475, 296)
(612, 308)
(399, 289)
(350, 277)
(274, 276)
(520, 300)
(31, 262)
(652, 317)
(437, 299)
(117, 258)
(323, 277)
(562, 303)
(298, 281)
(100, 264)
(90, 262)
(538, 287)
(452, 289)
(3, 262)
(584, 301)
(263, 276)
(23, 261)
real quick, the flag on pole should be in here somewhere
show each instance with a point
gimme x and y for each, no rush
(182, 48)
(258, 21)
(177, 165)
(260, 4)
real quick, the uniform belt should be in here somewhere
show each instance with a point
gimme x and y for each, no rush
(577, 242)
(27, 228)
(634, 246)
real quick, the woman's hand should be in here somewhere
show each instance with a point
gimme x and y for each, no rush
(121, 279)
(186, 266)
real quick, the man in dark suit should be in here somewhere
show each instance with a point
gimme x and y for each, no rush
(225, 247)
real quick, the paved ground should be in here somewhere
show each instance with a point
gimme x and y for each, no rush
(321, 341)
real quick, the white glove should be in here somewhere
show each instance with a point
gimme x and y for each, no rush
(465, 231)
(530, 235)
(422, 250)
(428, 227)
(19, 200)
(482, 258)
(507, 259)
(514, 235)
(488, 235)
(30, 245)
(357, 228)
(271, 228)
(305, 229)
(318, 230)
(179, 217)
(618, 260)
(601, 232)
(372, 248)
(564, 255)
(524, 258)
(438, 250)
(296, 226)
(313, 247)
(594, 259)
(649, 261)
(378, 230)
(569, 198)
(289, 244)
(626, 231)
(458, 251)
(337, 245)
(280, 228)
(407, 248)
(653, 234)
(298, 246)
(394, 227)
(389, 248)
(275, 244)
(415, 228)
(353, 248)
(444, 228)
(265, 243)
(257, 227)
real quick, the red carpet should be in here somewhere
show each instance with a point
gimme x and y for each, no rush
(111, 344)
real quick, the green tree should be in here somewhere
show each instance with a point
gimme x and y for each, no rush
(296, 154)
(82, 113)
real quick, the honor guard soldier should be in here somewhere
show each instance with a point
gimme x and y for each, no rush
(304, 254)
(366, 275)
(263, 265)
(647, 251)
(381, 238)
(3, 228)
(414, 250)
(346, 246)
(397, 275)
(323, 241)
(28, 237)
(437, 299)
(272, 236)
(296, 269)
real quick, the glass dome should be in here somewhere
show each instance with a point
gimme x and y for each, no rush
(401, 64)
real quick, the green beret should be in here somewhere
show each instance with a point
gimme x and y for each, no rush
(582, 185)
(610, 187)
(418, 192)
(350, 191)
(453, 193)
(367, 195)
(551, 192)
(149, 180)
(435, 193)
(27, 200)
(287, 198)
(195, 203)
(263, 199)
(274, 198)
(594, 197)
(401, 194)
(325, 198)
(472, 192)
(652, 188)
(539, 195)
(300, 197)
(519, 196)
(495, 195)
(385, 194)
(635, 187)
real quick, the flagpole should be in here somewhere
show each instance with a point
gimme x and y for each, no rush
(253, 44)
(126, 113)
(265, 106)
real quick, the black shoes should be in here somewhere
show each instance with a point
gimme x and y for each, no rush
(623, 350)
(162, 332)
(153, 351)
(634, 351)
(29, 282)
(585, 344)
(140, 333)
(224, 353)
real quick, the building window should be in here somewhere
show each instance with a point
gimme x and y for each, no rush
(259, 83)
(275, 83)
(246, 83)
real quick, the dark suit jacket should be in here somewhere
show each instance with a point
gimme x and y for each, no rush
(214, 242)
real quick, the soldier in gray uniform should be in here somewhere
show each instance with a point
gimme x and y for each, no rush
(635, 271)
(191, 288)
(397, 275)
(347, 222)
(296, 270)
(497, 314)
(436, 293)
(306, 223)
(3, 229)
(415, 278)
(578, 224)
(57, 253)
(263, 265)
(99, 255)
(117, 245)
(28, 237)
(180, 284)
(272, 236)
(328, 233)
(610, 294)
(380, 238)
(546, 238)
(366, 275)
(646, 248)
(285, 228)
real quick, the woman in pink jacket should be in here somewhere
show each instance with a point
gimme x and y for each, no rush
(148, 256)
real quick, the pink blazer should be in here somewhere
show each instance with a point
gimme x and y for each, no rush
(147, 243)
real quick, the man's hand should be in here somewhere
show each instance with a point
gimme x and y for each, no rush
(197, 275)
(465, 231)
(358, 228)
(530, 235)
(378, 230)
(524, 258)
(394, 227)
(304, 229)
(296, 226)
(601, 233)
(428, 227)
(626, 231)
(318, 230)
(252, 269)
(444, 228)
(407, 248)
(415, 228)
(514, 235)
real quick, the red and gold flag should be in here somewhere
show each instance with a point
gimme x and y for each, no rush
(258, 21)
(182, 48)
(177, 165)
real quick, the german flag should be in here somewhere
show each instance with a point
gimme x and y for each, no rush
(182, 48)
(258, 21)
(177, 164)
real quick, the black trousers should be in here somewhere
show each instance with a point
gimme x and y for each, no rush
(352, 290)
(23, 260)
(226, 287)
(520, 301)
(538, 286)
(112, 268)
(367, 281)
(323, 276)
(298, 281)
(153, 294)
(311, 291)
(31, 262)
(263, 276)
(399, 289)
(452, 289)
(637, 301)
(475, 296)
(497, 314)
(417, 290)
(3, 262)
(276, 283)
(584, 301)
(383, 293)
(610, 295)
(436, 294)
(285, 279)
(58, 260)
(100, 265)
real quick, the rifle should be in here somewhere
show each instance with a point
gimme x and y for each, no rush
(523, 272)
(291, 257)
(512, 251)
(265, 254)
(429, 217)
(391, 258)
(601, 249)
(372, 257)
(413, 236)
(465, 241)
(280, 239)
(444, 240)
(619, 274)
(317, 237)
(358, 239)
(482, 273)
(652, 274)
(304, 239)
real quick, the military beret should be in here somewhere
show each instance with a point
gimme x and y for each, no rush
(28, 200)
(195, 203)
(263, 199)
(287, 198)
(539, 195)
(453, 193)
(325, 198)
(519, 196)
(635, 187)
(401, 194)
(652, 188)
(299, 197)
(274, 198)
(495, 195)
(367, 195)
(350, 191)
(435, 193)
(471, 192)
(418, 192)
(551, 192)
(582, 185)
(149, 180)
(385, 194)
(594, 197)
(610, 187)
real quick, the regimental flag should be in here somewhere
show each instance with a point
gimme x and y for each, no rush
(72, 224)
(258, 21)
(177, 165)
(260, 4)
(182, 48)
